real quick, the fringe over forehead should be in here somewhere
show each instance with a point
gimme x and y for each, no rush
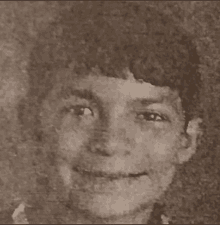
(112, 36)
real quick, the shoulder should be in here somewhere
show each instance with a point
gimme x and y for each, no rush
(14, 215)
(6, 216)
(158, 215)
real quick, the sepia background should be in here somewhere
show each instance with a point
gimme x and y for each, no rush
(194, 195)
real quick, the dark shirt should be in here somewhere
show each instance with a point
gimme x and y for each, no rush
(6, 217)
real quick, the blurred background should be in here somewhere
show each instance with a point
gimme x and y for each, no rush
(194, 196)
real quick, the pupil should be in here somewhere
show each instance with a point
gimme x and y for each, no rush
(83, 111)
(86, 111)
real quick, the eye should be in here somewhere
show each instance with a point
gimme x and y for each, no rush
(79, 111)
(149, 116)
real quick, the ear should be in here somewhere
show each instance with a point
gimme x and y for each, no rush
(190, 140)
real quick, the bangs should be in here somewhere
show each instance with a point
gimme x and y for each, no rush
(111, 37)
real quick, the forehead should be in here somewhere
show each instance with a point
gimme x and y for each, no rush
(114, 89)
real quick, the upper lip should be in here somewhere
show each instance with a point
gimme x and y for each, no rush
(108, 175)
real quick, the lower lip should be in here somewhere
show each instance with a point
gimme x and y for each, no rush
(87, 182)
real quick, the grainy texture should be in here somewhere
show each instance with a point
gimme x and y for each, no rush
(194, 195)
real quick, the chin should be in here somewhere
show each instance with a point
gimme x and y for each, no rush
(113, 206)
(109, 206)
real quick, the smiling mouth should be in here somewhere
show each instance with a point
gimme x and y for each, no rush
(108, 175)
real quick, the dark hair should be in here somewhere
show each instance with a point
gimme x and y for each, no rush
(113, 36)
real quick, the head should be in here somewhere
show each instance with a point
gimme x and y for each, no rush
(115, 96)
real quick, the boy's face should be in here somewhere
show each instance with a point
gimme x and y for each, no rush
(118, 142)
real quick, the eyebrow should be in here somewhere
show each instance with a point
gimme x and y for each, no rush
(148, 101)
(67, 92)
(83, 93)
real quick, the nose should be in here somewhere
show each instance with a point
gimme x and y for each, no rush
(112, 139)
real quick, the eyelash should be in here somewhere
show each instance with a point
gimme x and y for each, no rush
(143, 116)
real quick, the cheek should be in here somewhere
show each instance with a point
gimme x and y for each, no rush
(158, 151)
(71, 138)
(159, 146)
(70, 143)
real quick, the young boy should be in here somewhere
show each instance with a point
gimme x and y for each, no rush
(114, 101)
